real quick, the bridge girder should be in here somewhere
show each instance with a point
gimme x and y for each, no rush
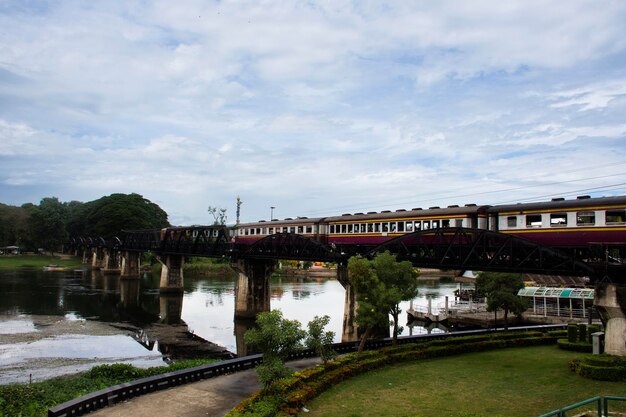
(481, 250)
(288, 246)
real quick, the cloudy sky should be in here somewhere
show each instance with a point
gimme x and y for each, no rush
(313, 107)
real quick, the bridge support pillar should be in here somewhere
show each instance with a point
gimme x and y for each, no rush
(97, 258)
(111, 261)
(252, 291)
(610, 301)
(350, 330)
(171, 274)
(130, 263)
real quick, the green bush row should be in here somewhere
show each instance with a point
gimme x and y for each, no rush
(286, 397)
(600, 367)
(580, 332)
(574, 346)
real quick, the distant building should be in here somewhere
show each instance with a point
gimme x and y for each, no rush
(9, 250)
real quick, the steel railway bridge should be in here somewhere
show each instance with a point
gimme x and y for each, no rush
(446, 248)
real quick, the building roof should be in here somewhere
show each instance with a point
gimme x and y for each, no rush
(550, 292)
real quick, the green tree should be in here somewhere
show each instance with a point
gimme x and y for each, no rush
(276, 337)
(109, 215)
(48, 223)
(501, 289)
(319, 340)
(218, 214)
(380, 286)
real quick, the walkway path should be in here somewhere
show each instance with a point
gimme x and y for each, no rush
(208, 398)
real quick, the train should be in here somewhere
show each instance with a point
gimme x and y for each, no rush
(566, 223)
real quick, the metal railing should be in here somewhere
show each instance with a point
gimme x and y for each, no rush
(601, 405)
(112, 395)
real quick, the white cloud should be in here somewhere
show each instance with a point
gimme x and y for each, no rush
(307, 106)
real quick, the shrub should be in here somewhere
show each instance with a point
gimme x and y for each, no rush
(575, 347)
(593, 328)
(572, 333)
(582, 332)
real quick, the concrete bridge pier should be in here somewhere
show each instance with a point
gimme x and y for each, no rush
(130, 264)
(610, 302)
(350, 330)
(171, 274)
(252, 291)
(86, 256)
(97, 258)
(111, 261)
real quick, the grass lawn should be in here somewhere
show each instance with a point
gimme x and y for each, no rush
(508, 382)
(39, 261)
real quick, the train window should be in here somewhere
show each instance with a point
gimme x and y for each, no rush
(385, 227)
(401, 227)
(363, 227)
(445, 223)
(258, 231)
(309, 229)
(332, 229)
(615, 216)
(511, 221)
(344, 228)
(409, 227)
(271, 230)
(585, 218)
(376, 227)
(418, 225)
(458, 222)
(300, 229)
(349, 228)
(370, 228)
(533, 220)
(392, 227)
(558, 219)
(426, 224)
(435, 224)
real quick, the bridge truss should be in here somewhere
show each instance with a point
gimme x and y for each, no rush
(448, 248)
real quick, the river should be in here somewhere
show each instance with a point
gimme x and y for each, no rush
(59, 322)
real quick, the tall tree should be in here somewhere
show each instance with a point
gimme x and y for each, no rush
(501, 290)
(218, 214)
(109, 215)
(380, 286)
(48, 223)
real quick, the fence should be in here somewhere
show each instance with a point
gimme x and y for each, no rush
(121, 392)
(600, 408)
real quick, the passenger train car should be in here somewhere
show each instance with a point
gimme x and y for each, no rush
(571, 223)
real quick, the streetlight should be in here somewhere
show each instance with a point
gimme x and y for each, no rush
(272, 213)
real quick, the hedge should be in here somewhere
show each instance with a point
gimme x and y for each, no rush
(286, 397)
(600, 367)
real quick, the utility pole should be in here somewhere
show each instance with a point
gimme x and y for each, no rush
(238, 209)
(272, 213)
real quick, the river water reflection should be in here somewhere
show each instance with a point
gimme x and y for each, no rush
(59, 322)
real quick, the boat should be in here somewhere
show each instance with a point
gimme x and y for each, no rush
(54, 268)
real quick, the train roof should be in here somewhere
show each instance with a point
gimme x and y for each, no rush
(277, 222)
(414, 212)
(560, 203)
